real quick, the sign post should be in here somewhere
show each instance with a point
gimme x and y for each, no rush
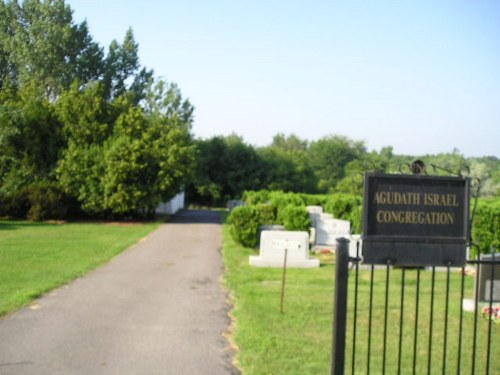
(415, 220)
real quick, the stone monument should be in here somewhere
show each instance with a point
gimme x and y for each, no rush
(272, 250)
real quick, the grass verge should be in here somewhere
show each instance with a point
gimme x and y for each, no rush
(38, 257)
(299, 341)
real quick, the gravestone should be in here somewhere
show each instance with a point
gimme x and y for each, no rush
(234, 203)
(486, 282)
(329, 229)
(272, 250)
(353, 243)
(271, 227)
(314, 213)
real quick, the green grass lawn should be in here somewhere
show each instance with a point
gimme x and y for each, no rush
(38, 257)
(299, 341)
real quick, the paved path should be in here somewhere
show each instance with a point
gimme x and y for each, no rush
(158, 308)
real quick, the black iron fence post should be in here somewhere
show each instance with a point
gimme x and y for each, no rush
(340, 306)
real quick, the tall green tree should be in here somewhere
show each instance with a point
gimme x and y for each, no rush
(43, 44)
(329, 156)
(226, 167)
(287, 166)
(122, 70)
(125, 165)
(30, 137)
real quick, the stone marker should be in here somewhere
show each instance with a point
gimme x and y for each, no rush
(329, 229)
(353, 240)
(234, 203)
(485, 280)
(272, 250)
(315, 213)
(272, 227)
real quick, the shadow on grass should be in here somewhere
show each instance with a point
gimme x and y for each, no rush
(13, 225)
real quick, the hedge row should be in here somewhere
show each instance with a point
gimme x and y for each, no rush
(266, 207)
(246, 220)
(289, 209)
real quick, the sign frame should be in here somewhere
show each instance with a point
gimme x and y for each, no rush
(416, 220)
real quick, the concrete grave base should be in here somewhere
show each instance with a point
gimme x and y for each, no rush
(272, 250)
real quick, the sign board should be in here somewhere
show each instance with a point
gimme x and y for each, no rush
(415, 220)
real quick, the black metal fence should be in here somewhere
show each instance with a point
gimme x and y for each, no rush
(395, 320)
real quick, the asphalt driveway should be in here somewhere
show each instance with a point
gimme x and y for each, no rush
(157, 308)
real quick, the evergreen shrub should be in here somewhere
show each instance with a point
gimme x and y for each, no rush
(245, 222)
(486, 225)
(46, 201)
(295, 218)
(346, 207)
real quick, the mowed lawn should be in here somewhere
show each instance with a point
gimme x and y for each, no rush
(38, 257)
(300, 340)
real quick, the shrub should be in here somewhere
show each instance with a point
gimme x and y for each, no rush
(281, 199)
(486, 225)
(244, 222)
(295, 218)
(47, 201)
(251, 197)
(314, 199)
(266, 214)
(38, 201)
(346, 207)
(15, 205)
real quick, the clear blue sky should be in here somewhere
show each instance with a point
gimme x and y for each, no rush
(421, 76)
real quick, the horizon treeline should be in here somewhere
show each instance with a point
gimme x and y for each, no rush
(227, 166)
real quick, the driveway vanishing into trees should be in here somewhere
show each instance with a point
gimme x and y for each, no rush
(157, 308)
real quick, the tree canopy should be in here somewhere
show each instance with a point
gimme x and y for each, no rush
(99, 128)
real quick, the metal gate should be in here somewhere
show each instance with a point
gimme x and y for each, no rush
(397, 320)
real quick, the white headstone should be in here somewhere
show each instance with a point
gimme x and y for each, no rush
(329, 229)
(353, 241)
(272, 250)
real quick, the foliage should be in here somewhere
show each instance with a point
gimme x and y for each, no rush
(40, 43)
(131, 165)
(245, 223)
(47, 201)
(329, 156)
(287, 165)
(486, 225)
(346, 207)
(281, 200)
(295, 218)
(332, 164)
(99, 128)
(226, 168)
(255, 196)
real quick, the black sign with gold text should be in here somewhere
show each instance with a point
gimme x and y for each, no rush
(415, 219)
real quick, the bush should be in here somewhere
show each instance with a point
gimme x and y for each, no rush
(281, 199)
(39, 201)
(486, 225)
(314, 199)
(15, 205)
(47, 201)
(266, 214)
(252, 197)
(346, 207)
(244, 222)
(295, 218)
